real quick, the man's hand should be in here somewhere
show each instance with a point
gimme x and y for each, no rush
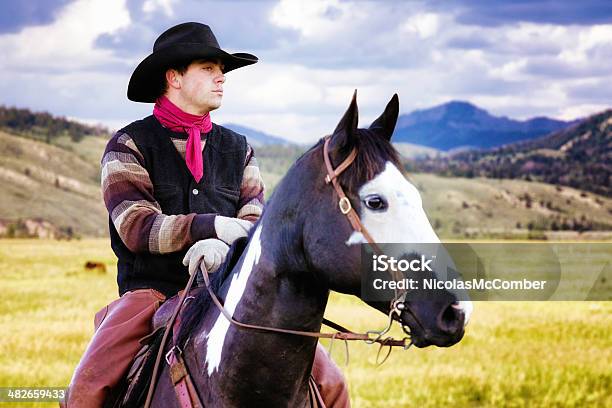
(230, 229)
(208, 252)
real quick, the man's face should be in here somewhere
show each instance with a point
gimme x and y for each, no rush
(202, 86)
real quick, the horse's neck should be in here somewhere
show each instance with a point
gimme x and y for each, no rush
(261, 292)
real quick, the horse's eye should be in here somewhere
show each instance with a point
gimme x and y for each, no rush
(375, 202)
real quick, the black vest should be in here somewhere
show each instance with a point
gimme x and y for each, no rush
(177, 193)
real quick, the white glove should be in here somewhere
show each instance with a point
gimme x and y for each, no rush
(230, 229)
(208, 252)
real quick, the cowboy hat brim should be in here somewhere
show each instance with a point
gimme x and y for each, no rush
(145, 82)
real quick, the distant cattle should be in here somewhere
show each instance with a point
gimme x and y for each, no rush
(95, 266)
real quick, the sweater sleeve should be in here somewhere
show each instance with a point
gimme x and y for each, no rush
(128, 195)
(251, 203)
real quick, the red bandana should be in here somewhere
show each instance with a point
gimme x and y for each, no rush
(175, 119)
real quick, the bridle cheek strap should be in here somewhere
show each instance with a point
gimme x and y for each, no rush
(344, 203)
(347, 209)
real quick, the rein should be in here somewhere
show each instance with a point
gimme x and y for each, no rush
(370, 337)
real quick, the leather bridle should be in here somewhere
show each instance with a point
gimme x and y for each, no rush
(347, 209)
(344, 203)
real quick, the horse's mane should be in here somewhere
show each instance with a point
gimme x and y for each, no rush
(373, 152)
(195, 309)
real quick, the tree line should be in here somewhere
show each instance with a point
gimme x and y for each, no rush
(44, 126)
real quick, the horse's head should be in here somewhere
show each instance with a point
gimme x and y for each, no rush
(387, 204)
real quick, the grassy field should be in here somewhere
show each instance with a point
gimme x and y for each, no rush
(515, 354)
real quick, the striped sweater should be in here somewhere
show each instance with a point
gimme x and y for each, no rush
(128, 195)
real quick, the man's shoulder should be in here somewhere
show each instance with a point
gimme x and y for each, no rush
(143, 133)
(128, 136)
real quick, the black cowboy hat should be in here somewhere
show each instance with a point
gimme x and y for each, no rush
(182, 43)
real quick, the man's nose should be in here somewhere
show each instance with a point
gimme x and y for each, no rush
(220, 78)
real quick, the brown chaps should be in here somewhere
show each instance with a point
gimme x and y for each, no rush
(118, 328)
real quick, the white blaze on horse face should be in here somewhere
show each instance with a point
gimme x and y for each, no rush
(404, 220)
(216, 336)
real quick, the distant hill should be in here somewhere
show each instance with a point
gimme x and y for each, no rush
(490, 208)
(461, 124)
(53, 189)
(44, 126)
(50, 186)
(255, 137)
(579, 156)
(49, 128)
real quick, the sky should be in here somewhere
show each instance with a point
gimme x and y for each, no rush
(519, 59)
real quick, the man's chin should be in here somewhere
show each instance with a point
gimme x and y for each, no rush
(212, 107)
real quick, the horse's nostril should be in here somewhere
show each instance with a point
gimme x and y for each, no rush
(451, 319)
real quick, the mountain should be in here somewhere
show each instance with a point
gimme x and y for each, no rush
(255, 137)
(579, 156)
(459, 124)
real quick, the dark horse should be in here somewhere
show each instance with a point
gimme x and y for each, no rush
(301, 248)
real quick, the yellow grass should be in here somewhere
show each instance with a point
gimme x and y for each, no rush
(514, 354)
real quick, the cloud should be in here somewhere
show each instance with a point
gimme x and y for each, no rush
(424, 25)
(496, 13)
(581, 111)
(469, 42)
(356, 34)
(590, 90)
(166, 6)
(66, 44)
(240, 26)
(56, 67)
(14, 15)
(512, 60)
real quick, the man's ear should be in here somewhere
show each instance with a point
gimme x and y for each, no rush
(173, 78)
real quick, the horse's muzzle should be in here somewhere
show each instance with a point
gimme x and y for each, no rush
(445, 330)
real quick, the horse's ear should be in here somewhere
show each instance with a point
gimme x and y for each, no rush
(346, 131)
(385, 124)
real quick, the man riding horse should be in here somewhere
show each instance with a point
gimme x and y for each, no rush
(179, 190)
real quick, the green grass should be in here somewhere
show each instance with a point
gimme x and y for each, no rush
(515, 354)
(491, 208)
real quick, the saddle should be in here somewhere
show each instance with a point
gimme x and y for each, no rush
(131, 391)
